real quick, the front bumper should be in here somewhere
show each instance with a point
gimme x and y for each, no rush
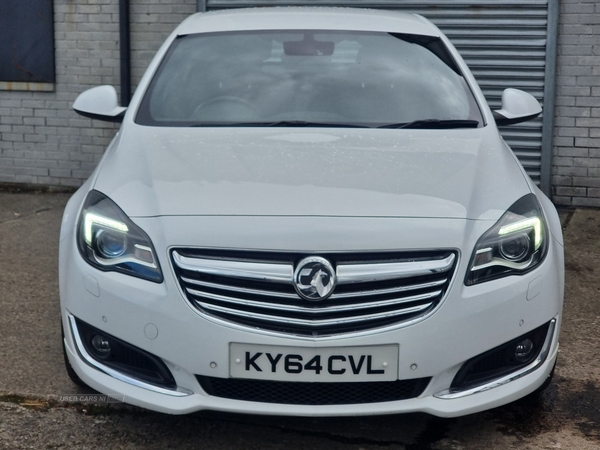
(444, 403)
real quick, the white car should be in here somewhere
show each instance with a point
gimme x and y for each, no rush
(310, 212)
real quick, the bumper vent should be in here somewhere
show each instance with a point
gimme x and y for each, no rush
(257, 290)
(499, 361)
(313, 393)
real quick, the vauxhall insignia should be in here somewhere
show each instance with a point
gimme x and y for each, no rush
(314, 278)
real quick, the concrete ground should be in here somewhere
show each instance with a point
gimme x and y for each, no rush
(32, 374)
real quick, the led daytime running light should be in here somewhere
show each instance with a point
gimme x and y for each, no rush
(533, 222)
(91, 219)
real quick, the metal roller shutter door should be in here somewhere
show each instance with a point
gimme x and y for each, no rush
(505, 43)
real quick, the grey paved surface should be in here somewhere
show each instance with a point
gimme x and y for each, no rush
(567, 416)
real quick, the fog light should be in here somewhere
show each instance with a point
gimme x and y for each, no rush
(122, 357)
(523, 350)
(101, 346)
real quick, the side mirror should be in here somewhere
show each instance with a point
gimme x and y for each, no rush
(100, 103)
(517, 107)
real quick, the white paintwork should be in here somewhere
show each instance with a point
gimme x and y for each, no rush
(310, 190)
(517, 104)
(100, 101)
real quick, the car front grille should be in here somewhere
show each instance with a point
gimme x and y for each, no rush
(256, 289)
(293, 393)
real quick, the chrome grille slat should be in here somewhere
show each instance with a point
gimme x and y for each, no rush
(225, 287)
(277, 273)
(395, 290)
(314, 322)
(256, 289)
(323, 310)
(361, 273)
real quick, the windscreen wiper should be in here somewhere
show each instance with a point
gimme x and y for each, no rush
(282, 123)
(304, 123)
(434, 124)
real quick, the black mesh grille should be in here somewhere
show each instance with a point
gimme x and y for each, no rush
(292, 393)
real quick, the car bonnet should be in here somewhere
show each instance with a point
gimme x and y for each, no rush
(311, 172)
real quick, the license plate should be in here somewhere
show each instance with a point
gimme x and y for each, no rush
(328, 364)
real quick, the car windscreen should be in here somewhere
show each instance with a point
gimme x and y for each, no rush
(308, 78)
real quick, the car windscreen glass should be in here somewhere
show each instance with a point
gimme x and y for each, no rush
(306, 77)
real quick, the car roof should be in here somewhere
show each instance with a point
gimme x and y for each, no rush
(307, 18)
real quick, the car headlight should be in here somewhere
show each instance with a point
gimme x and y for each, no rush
(110, 241)
(515, 245)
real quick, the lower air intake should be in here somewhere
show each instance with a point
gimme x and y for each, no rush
(292, 393)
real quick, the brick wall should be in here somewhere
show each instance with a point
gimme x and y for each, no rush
(576, 155)
(43, 141)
